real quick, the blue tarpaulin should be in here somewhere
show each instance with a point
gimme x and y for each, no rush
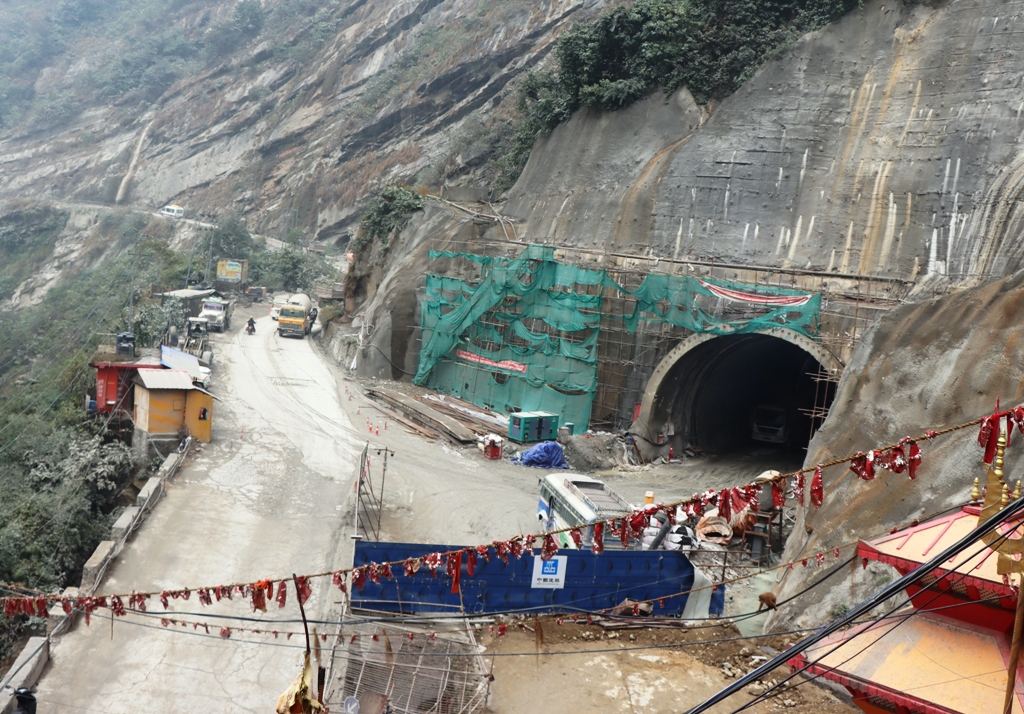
(545, 455)
(572, 581)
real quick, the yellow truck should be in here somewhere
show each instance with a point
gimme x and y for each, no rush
(297, 317)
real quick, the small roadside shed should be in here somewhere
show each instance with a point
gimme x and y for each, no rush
(166, 400)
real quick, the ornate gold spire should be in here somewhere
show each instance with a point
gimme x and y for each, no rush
(976, 490)
(997, 496)
(997, 462)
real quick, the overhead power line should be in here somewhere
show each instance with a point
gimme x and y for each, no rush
(892, 589)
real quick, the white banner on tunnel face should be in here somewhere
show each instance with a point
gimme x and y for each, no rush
(549, 574)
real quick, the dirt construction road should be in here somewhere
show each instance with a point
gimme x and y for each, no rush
(263, 500)
(268, 498)
(271, 496)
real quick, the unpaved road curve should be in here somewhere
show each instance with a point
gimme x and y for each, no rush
(265, 499)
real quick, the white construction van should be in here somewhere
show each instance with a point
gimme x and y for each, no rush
(173, 211)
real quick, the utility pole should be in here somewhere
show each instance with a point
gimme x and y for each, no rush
(131, 296)
(209, 260)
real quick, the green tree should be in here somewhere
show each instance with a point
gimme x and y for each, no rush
(248, 18)
(232, 240)
(708, 46)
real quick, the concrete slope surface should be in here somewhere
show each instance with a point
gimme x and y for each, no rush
(926, 366)
(887, 143)
(264, 499)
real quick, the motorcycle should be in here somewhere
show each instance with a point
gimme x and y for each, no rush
(250, 329)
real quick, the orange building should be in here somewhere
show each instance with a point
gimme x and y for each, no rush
(166, 401)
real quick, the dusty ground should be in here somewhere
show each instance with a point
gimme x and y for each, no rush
(633, 671)
(264, 499)
(272, 496)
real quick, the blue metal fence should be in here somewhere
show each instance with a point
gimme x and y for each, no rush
(573, 581)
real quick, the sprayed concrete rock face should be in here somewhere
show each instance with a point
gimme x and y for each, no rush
(886, 143)
(925, 366)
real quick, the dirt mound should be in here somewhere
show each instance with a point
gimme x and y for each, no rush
(594, 452)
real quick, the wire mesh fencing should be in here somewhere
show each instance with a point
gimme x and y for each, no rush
(395, 667)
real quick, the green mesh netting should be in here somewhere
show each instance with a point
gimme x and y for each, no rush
(525, 337)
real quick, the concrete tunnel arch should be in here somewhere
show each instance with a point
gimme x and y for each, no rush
(708, 384)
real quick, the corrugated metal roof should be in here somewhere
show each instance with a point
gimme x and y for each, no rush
(187, 293)
(176, 359)
(164, 379)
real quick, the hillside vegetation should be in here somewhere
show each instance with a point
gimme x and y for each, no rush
(708, 46)
(132, 52)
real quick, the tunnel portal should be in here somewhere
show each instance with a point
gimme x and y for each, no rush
(734, 393)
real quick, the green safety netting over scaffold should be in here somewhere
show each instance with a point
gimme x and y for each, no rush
(482, 342)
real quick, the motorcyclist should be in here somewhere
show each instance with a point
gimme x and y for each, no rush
(251, 325)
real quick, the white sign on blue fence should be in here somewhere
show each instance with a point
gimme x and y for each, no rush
(550, 573)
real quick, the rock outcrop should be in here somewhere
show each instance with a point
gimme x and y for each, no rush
(887, 143)
(925, 366)
(406, 90)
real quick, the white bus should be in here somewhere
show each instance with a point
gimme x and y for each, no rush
(173, 211)
(570, 500)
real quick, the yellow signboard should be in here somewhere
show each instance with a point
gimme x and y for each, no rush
(232, 271)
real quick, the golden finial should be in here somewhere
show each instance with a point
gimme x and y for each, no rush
(976, 491)
(997, 463)
(1006, 496)
(1016, 492)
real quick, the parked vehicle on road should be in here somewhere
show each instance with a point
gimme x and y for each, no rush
(571, 500)
(197, 340)
(297, 317)
(172, 211)
(279, 302)
(217, 311)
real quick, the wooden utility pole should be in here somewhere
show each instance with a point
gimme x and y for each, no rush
(1011, 671)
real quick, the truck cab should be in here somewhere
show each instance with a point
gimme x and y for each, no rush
(769, 424)
(297, 317)
(217, 313)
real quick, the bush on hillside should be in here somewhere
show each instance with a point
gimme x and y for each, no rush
(708, 46)
(388, 213)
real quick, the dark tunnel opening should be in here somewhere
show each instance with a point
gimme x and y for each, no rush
(738, 393)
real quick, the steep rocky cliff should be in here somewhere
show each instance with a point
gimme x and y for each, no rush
(407, 90)
(928, 365)
(887, 143)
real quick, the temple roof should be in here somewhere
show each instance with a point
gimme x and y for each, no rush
(924, 662)
(975, 566)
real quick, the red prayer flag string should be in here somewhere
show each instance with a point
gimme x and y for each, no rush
(548, 548)
(338, 580)
(724, 504)
(598, 545)
(817, 489)
(528, 542)
(779, 493)
(455, 570)
(577, 538)
(988, 436)
(863, 465)
(798, 487)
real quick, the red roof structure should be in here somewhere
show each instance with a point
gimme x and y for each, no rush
(949, 650)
